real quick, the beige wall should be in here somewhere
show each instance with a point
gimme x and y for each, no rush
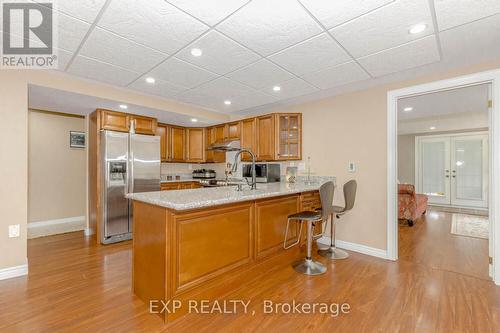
(353, 127)
(14, 142)
(56, 172)
(406, 158)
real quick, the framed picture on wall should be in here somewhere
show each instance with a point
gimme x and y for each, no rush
(76, 139)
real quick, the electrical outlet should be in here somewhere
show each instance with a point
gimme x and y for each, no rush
(14, 230)
(351, 167)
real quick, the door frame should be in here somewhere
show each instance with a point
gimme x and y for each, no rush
(492, 77)
(486, 162)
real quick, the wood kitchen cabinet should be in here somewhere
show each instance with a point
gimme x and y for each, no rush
(266, 138)
(195, 145)
(248, 137)
(288, 136)
(114, 121)
(209, 139)
(219, 135)
(177, 142)
(233, 130)
(162, 131)
(144, 125)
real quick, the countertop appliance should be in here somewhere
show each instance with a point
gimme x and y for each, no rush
(265, 172)
(131, 164)
(204, 174)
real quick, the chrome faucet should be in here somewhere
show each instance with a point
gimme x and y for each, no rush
(253, 184)
(234, 145)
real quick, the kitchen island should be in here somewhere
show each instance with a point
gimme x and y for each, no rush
(202, 243)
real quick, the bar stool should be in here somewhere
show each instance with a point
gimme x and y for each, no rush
(349, 196)
(308, 266)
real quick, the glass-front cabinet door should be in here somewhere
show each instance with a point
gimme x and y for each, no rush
(289, 136)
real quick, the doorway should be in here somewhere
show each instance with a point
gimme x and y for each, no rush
(492, 78)
(452, 170)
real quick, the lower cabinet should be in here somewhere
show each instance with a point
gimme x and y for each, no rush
(180, 185)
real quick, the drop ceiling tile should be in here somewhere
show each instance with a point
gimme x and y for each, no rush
(63, 58)
(269, 26)
(251, 100)
(384, 28)
(290, 88)
(311, 55)
(85, 10)
(223, 89)
(153, 23)
(209, 11)
(220, 54)
(417, 53)
(100, 71)
(181, 73)
(260, 74)
(472, 43)
(113, 49)
(206, 101)
(452, 13)
(335, 12)
(160, 88)
(336, 76)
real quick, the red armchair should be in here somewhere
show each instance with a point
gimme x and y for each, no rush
(411, 206)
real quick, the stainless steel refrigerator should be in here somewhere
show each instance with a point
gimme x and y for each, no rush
(131, 164)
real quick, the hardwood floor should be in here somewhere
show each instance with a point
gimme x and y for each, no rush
(76, 286)
(429, 242)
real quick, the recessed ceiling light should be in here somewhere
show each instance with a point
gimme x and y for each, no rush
(408, 109)
(194, 120)
(432, 128)
(417, 28)
(227, 102)
(196, 52)
(276, 88)
(150, 79)
(123, 106)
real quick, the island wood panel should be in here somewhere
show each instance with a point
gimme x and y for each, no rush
(149, 252)
(211, 242)
(271, 219)
(311, 201)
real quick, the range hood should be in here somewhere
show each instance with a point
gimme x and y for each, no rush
(225, 145)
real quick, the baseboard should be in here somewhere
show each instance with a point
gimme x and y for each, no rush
(371, 251)
(54, 227)
(88, 231)
(12, 272)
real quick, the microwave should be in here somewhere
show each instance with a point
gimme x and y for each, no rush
(266, 172)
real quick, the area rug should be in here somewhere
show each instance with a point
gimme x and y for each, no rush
(470, 225)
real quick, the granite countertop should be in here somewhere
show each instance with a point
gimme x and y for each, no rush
(213, 196)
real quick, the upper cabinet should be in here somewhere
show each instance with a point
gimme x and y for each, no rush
(195, 145)
(114, 121)
(177, 151)
(119, 121)
(144, 125)
(233, 130)
(161, 131)
(265, 138)
(288, 136)
(248, 137)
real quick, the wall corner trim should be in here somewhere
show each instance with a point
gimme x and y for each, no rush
(12, 272)
(355, 247)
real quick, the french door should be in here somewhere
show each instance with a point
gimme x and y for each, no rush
(453, 170)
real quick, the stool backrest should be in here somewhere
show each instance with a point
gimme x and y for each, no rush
(349, 194)
(326, 195)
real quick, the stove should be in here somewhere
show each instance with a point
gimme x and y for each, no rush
(204, 174)
(217, 182)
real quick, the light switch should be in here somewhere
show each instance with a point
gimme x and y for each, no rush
(351, 167)
(14, 230)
